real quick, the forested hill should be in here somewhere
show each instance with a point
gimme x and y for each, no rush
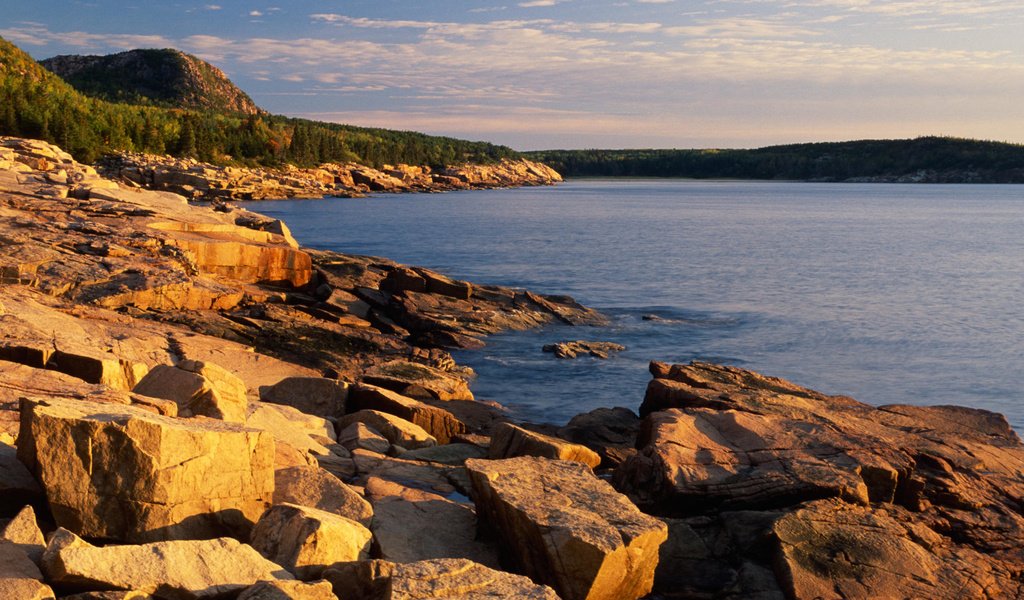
(38, 104)
(167, 77)
(925, 159)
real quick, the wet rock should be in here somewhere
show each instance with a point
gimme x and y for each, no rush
(145, 477)
(431, 579)
(439, 423)
(564, 526)
(312, 395)
(306, 540)
(178, 569)
(574, 349)
(198, 388)
(316, 488)
(508, 440)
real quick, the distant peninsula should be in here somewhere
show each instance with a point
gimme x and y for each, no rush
(920, 160)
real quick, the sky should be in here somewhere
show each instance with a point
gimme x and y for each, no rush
(543, 74)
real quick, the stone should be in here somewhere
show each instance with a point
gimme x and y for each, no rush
(402, 279)
(291, 427)
(418, 381)
(445, 286)
(830, 549)
(563, 526)
(794, 493)
(312, 395)
(20, 578)
(358, 435)
(431, 579)
(23, 531)
(17, 486)
(439, 423)
(111, 371)
(398, 431)
(128, 595)
(186, 569)
(306, 540)
(316, 488)
(611, 432)
(411, 523)
(289, 590)
(145, 477)
(198, 388)
(580, 347)
(449, 454)
(508, 440)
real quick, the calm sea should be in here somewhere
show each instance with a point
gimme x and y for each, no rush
(888, 293)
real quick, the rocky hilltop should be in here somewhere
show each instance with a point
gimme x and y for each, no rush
(193, 406)
(160, 77)
(203, 181)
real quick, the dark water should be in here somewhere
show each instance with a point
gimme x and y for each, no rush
(887, 293)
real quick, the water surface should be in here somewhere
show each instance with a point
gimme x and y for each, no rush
(887, 293)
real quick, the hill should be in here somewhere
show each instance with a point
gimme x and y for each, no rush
(925, 159)
(165, 77)
(37, 103)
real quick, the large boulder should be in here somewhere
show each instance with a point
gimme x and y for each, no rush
(118, 472)
(186, 569)
(508, 440)
(17, 486)
(199, 388)
(437, 579)
(611, 432)
(316, 488)
(775, 488)
(289, 590)
(312, 395)
(306, 540)
(563, 526)
(436, 421)
(418, 381)
(396, 430)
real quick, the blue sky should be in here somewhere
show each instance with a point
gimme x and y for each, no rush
(538, 74)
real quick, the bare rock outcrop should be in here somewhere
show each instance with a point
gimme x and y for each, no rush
(145, 477)
(198, 388)
(437, 579)
(186, 570)
(809, 494)
(565, 527)
(583, 348)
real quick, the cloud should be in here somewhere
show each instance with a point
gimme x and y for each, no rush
(255, 13)
(212, 7)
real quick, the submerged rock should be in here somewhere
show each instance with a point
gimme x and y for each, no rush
(574, 349)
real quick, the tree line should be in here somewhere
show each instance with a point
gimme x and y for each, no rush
(37, 104)
(932, 158)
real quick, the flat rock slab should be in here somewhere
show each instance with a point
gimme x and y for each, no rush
(508, 440)
(432, 580)
(567, 528)
(117, 472)
(316, 488)
(184, 570)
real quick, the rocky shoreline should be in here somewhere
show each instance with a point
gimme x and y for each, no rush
(193, 406)
(207, 182)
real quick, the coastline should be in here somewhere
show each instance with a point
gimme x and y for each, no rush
(131, 315)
